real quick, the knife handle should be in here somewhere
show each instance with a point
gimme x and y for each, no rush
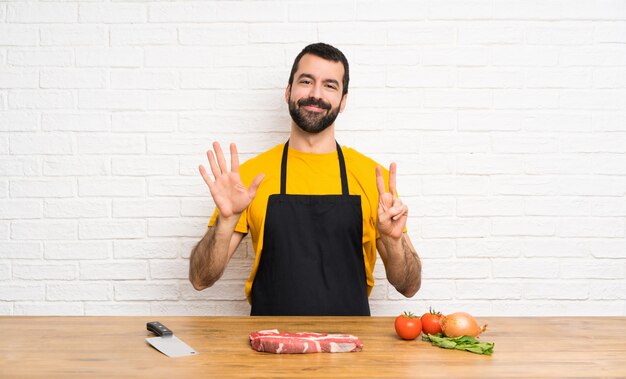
(159, 329)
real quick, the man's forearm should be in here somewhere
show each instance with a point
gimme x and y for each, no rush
(210, 256)
(403, 266)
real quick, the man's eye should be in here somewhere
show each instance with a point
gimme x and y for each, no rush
(331, 86)
(305, 81)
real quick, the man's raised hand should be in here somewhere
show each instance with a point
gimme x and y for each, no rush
(229, 194)
(392, 213)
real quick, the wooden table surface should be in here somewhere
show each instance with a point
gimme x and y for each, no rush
(107, 347)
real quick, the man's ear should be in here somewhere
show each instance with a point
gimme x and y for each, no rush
(342, 105)
(287, 92)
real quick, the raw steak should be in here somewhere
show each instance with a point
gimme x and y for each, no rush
(273, 341)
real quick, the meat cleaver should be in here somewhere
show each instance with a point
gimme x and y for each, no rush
(166, 342)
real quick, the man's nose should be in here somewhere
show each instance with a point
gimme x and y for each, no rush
(316, 91)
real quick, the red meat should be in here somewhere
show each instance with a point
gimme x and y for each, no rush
(273, 341)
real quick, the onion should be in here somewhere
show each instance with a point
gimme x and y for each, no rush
(461, 324)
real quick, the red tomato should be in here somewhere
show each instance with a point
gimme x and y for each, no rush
(431, 322)
(408, 326)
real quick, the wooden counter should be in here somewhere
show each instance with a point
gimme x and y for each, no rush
(108, 347)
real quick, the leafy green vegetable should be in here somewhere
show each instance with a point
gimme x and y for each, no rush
(466, 343)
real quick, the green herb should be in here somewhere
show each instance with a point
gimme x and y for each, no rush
(466, 343)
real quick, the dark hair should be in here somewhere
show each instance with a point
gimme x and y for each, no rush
(327, 52)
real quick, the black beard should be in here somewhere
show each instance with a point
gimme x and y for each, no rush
(312, 122)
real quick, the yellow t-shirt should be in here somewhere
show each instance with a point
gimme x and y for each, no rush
(310, 174)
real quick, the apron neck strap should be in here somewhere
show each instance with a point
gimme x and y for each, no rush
(342, 170)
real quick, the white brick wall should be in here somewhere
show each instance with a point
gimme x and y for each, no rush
(507, 120)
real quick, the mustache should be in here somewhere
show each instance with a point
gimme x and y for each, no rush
(315, 102)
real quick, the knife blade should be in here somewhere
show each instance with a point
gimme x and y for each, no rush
(166, 342)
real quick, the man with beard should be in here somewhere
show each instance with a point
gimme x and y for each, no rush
(317, 211)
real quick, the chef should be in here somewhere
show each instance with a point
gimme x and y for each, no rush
(317, 211)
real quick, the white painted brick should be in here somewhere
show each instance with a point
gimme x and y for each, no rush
(489, 206)
(490, 34)
(455, 228)
(488, 289)
(525, 268)
(457, 98)
(21, 291)
(609, 55)
(593, 99)
(248, 56)
(114, 13)
(44, 230)
(187, 227)
(19, 78)
(557, 164)
(455, 185)
(178, 56)
(182, 12)
(40, 99)
(141, 35)
(382, 98)
(5, 271)
(543, 122)
(130, 308)
(428, 206)
(42, 12)
(523, 226)
(411, 33)
(144, 166)
(41, 57)
(18, 35)
(556, 290)
(489, 78)
(42, 188)
(76, 291)
(526, 99)
(601, 9)
(440, 142)
(259, 100)
(181, 100)
(80, 122)
(593, 142)
(20, 250)
(75, 208)
(218, 34)
(44, 143)
(77, 250)
(141, 122)
(608, 206)
(4, 230)
(75, 166)
(485, 164)
(483, 121)
(201, 308)
(112, 100)
(459, 56)
(557, 206)
(460, 10)
(591, 227)
(554, 247)
(19, 209)
(433, 248)
(380, 290)
(105, 143)
(524, 56)
(591, 185)
(74, 35)
(562, 78)
(381, 55)
(318, 12)
(348, 33)
(430, 290)
(162, 248)
(146, 291)
(111, 229)
(49, 309)
(536, 185)
(607, 289)
(177, 187)
(169, 269)
(488, 248)
(72, 78)
(556, 34)
(44, 271)
(19, 121)
(113, 187)
(237, 269)
(457, 269)
(394, 11)
(221, 290)
(196, 207)
(530, 9)
(589, 269)
(369, 142)
(214, 79)
(511, 143)
(420, 77)
(19, 166)
(109, 270)
(609, 78)
(109, 57)
(411, 120)
(268, 78)
(142, 79)
(609, 32)
(281, 33)
(166, 207)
